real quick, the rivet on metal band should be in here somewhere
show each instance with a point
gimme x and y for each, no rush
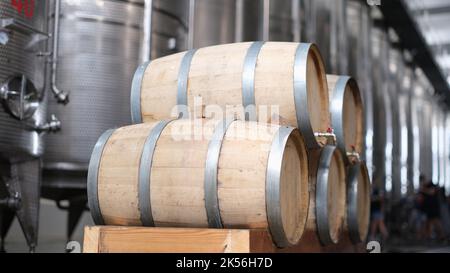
(182, 89)
(336, 109)
(211, 168)
(248, 80)
(136, 88)
(273, 191)
(301, 95)
(145, 170)
(352, 204)
(323, 226)
(92, 179)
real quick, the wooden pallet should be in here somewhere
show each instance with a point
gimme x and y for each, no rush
(111, 239)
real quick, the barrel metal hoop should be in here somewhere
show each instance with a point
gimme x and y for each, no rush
(273, 183)
(248, 80)
(211, 168)
(352, 203)
(145, 169)
(92, 179)
(136, 88)
(323, 225)
(182, 89)
(301, 94)
(337, 114)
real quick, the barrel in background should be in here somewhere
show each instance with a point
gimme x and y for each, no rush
(347, 115)
(358, 203)
(327, 184)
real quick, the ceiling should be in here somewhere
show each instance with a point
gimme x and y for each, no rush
(433, 18)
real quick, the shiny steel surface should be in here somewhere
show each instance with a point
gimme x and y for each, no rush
(399, 124)
(424, 108)
(329, 33)
(412, 135)
(169, 27)
(99, 51)
(446, 150)
(383, 146)
(18, 57)
(214, 22)
(282, 22)
(285, 20)
(359, 25)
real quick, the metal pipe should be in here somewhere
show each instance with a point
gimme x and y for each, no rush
(331, 137)
(191, 24)
(146, 54)
(296, 21)
(264, 19)
(239, 23)
(60, 95)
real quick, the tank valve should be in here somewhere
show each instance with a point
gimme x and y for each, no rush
(61, 96)
(330, 136)
(4, 37)
(13, 203)
(354, 155)
(53, 125)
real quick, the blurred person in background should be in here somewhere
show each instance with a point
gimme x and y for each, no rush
(419, 218)
(432, 210)
(377, 215)
(445, 213)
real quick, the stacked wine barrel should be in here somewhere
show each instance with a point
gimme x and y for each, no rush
(183, 163)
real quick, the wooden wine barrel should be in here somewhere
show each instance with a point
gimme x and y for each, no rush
(327, 195)
(358, 202)
(347, 115)
(245, 78)
(237, 175)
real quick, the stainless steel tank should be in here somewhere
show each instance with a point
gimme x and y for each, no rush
(328, 31)
(214, 22)
(447, 151)
(100, 47)
(438, 144)
(169, 26)
(288, 20)
(22, 62)
(398, 100)
(23, 112)
(409, 85)
(273, 20)
(359, 25)
(424, 108)
(443, 154)
(383, 139)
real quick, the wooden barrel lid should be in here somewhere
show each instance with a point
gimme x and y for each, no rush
(311, 95)
(347, 114)
(330, 195)
(358, 203)
(294, 191)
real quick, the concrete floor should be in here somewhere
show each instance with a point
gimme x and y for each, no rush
(52, 231)
(53, 225)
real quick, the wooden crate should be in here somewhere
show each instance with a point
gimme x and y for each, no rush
(112, 239)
